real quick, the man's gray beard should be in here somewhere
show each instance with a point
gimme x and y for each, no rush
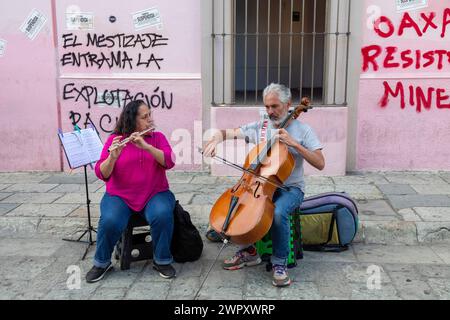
(275, 123)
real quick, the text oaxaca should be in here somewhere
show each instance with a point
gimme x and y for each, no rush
(375, 57)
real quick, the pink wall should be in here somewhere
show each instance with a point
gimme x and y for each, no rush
(39, 92)
(183, 97)
(180, 26)
(170, 82)
(395, 133)
(330, 124)
(44, 87)
(28, 103)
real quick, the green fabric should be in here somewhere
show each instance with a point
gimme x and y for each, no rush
(315, 229)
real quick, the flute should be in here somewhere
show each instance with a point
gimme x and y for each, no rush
(125, 141)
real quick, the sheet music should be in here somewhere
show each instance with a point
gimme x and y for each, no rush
(81, 147)
(93, 144)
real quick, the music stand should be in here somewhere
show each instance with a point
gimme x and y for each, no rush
(90, 228)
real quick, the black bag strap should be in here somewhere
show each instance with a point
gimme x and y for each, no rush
(331, 229)
(325, 247)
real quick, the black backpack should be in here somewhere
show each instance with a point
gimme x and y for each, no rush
(187, 244)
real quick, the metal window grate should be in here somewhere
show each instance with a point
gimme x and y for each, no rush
(300, 43)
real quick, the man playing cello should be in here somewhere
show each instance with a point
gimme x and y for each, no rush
(303, 144)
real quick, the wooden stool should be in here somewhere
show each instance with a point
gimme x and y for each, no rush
(134, 246)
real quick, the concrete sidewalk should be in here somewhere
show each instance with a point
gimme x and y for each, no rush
(404, 236)
(395, 208)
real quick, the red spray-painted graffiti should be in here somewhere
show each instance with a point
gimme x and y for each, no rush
(374, 56)
(417, 96)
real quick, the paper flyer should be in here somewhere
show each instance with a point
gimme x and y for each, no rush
(146, 18)
(33, 24)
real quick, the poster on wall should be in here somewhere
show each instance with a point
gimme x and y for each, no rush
(33, 24)
(147, 18)
(407, 5)
(2, 47)
(79, 21)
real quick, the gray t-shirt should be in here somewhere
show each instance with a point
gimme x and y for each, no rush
(301, 132)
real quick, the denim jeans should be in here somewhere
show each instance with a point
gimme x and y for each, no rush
(285, 204)
(114, 216)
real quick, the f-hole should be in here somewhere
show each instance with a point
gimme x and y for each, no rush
(258, 184)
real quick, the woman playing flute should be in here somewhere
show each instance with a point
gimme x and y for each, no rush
(135, 176)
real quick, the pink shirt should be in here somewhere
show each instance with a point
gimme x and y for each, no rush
(137, 176)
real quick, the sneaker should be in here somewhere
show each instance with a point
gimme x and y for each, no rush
(243, 258)
(165, 270)
(96, 273)
(280, 276)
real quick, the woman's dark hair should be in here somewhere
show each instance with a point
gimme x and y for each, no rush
(127, 120)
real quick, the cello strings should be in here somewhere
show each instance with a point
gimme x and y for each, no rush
(248, 171)
(252, 173)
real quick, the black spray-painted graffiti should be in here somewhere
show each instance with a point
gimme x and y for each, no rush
(116, 97)
(105, 122)
(113, 58)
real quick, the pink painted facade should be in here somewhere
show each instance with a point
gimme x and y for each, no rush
(159, 64)
(54, 80)
(28, 100)
(65, 76)
(415, 136)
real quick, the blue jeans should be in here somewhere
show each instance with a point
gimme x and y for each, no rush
(114, 216)
(285, 204)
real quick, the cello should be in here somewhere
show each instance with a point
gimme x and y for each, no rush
(244, 213)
